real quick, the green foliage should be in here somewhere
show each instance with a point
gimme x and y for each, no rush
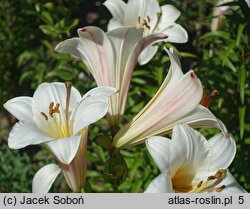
(31, 29)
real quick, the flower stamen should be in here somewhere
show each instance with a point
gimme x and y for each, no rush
(211, 182)
(220, 188)
(199, 185)
(45, 116)
(206, 99)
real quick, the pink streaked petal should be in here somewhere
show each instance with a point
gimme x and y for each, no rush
(95, 49)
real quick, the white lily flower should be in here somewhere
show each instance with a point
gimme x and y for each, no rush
(59, 117)
(111, 58)
(190, 163)
(147, 14)
(177, 101)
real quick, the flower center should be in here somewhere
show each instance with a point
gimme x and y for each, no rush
(182, 181)
(58, 121)
(147, 25)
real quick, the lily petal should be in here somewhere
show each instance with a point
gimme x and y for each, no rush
(175, 33)
(231, 185)
(161, 184)
(224, 150)
(65, 149)
(169, 14)
(114, 24)
(20, 108)
(147, 54)
(116, 8)
(101, 92)
(26, 133)
(200, 117)
(44, 178)
(100, 59)
(185, 142)
(89, 111)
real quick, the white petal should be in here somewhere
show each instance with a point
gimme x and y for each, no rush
(89, 111)
(20, 108)
(44, 178)
(101, 92)
(24, 134)
(231, 185)
(47, 93)
(114, 24)
(147, 54)
(116, 8)
(201, 117)
(92, 107)
(70, 46)
(160, 150)
(161, 184)
(187, 148)
(175, 33)
(65, 149)
(223, 150)
(169, 14)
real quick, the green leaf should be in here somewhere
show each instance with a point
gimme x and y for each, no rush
(239, 33)
(87, 187)
(247, 141)
(242, 112)
(64, 74)
(49, 30)
(242, 81)
(46, 17)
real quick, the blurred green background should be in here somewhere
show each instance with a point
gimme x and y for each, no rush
(29, 31)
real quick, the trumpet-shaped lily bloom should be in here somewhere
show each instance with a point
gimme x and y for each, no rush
(111, 58)
(177, 101)
(147, 14)
(190, 163)
(59, 117)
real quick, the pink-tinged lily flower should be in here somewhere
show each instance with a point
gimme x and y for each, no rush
(190, 163)
(147, 14)
(111, 58)
(176, 102)
(58, 116)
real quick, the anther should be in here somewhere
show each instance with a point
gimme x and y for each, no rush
(218, 174)
(148, 19)
(220, 188)
(214, 93)
(44, 115)
(139, 20)
(57, 108)
(51, 106)
(211, 178)
(199, 185)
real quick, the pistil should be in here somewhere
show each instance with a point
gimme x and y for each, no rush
(68, 86)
